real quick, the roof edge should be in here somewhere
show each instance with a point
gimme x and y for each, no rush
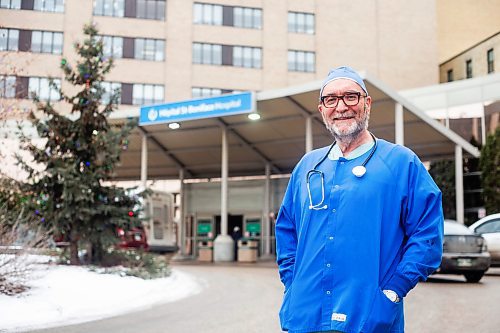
(422, 115)
(287, 91)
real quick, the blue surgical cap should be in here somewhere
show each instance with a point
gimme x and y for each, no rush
(343, 72)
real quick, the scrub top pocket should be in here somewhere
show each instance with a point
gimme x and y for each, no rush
(382, 315)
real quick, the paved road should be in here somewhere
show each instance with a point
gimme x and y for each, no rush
(246, 299)
(446, 303)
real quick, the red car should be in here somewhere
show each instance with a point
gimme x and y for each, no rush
(133, 238)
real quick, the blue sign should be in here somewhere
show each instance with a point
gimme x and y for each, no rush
(219, 106)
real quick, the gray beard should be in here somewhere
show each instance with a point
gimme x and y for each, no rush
(346, 138)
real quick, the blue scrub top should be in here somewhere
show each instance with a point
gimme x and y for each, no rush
(381, 231)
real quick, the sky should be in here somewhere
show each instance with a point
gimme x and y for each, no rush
(62, 295)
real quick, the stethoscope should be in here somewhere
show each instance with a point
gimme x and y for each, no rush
(358, 171)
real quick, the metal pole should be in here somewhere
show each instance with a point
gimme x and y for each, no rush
(182, 213)
(224, 176)
(309, 136)
(265, 228)
(483, 128)
(144, 161)
(459, 184)
(223, 243)
(399, 125)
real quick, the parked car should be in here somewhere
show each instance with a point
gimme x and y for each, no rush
(489, 228)
(464, 252)
(133, 238)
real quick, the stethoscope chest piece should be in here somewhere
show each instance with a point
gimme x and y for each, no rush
(359, 171)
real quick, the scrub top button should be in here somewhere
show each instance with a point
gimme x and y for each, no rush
(334, 210)
(328, 292)
(330, 238)
(336, 186)
(328, 265)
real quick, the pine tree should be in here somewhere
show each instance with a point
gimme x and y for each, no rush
(80, 152)
(443, 173)
(12, 203)
(490, 172)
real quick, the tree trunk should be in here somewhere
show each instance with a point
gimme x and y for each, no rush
(97, 253)
(90, 254)
(73, 252)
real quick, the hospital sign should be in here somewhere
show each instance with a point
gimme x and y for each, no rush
(210, 107)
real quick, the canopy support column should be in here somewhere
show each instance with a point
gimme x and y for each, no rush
(309, 135)
(483, 127)
(399, 125)
(182, 211)
(265, 227)
(459, 184)
(144, 160)
(224, 244)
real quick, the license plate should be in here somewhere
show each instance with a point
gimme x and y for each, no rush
(464, 262)
(137, 237)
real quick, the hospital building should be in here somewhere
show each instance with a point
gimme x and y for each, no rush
(431, 66)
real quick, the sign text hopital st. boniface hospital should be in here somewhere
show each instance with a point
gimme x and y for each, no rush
(219, 106)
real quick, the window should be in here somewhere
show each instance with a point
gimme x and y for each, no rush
(49, 5)
(149, 49)
(144, 9)
(46, 42)
(489, 227)
(449, 75)
(244, 56)
(112, 46)
(9, 39)
(468, 69)
(147, 94)
(207, 92)
(301, 61)
(109, 8)
(204, 13)
(138, 48)
(7, 86)
(247, 17)
(241, 17)
(41, 87)
(301, 23)
(10, 4)
(490, 58)
(239, 56)
(208, 54)
(151, 9)
(109, 89)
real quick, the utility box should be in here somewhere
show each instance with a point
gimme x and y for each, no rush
(247, 250)
(206, 251)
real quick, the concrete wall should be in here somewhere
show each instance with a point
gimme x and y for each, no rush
(244, 197)
(463, 23)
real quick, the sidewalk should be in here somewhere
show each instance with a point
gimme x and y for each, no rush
(266, 262)
(236, 297)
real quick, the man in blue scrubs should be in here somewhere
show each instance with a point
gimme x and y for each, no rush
(360, 225)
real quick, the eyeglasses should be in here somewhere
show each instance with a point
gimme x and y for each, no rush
(349, 99)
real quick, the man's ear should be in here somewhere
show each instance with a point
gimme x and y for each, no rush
(368, 103)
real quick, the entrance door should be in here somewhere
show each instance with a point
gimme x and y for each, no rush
(232, 221)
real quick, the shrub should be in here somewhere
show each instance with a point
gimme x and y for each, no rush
(132, 262)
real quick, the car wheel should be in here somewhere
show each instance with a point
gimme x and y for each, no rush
(473, 277)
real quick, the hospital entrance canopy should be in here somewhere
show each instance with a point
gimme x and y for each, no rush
(289, 125)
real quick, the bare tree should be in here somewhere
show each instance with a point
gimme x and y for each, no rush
(18, 243)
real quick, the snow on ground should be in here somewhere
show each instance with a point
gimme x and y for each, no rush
(62, 295)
